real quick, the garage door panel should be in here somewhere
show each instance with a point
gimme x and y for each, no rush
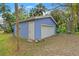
(47, 31)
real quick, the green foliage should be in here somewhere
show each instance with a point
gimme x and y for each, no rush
(69, 17)
(5, 11)
(22, 13)
(9, 18)
(4, 8)
(61, 28)
(60, 19)
(38, 10)
(73, 14)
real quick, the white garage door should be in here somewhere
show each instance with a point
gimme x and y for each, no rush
(47, 31)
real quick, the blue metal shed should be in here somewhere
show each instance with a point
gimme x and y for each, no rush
(36, 28)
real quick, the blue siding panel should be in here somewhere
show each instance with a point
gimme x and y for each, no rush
(38, 23)
(23, 30)
(37, 30)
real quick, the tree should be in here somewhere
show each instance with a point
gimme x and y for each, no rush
(9, 20)
(60, 19)
(38, 10)
(78, 17)
(4, 8)
(5, 11)
(17, 25)
(70, 20)
(73, 8)
(22, 12)
(70, 16)
(32, 12)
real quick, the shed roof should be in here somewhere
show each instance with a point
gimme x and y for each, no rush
(36, 18)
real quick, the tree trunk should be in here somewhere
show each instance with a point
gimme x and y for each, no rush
(78, 18)
(68, 26)
(17, 25)
(10, 25)
(71, 20)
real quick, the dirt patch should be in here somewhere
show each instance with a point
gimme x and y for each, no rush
(65, 44)
(59, 45)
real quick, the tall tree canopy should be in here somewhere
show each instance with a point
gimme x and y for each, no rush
(70, 17)
(38, 10)
(6, 14)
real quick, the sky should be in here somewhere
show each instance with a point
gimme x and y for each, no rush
(29, 6)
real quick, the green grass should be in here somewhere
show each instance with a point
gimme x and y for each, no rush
(6, 45)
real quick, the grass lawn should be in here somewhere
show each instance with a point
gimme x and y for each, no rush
(62, 44)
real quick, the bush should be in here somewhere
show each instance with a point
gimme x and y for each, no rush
(61, 28)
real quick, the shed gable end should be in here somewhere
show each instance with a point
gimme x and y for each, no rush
(39, 23)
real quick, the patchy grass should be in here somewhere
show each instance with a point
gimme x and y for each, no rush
(6, 44)
(61, 44)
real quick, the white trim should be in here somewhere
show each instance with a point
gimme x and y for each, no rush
(31, 30)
